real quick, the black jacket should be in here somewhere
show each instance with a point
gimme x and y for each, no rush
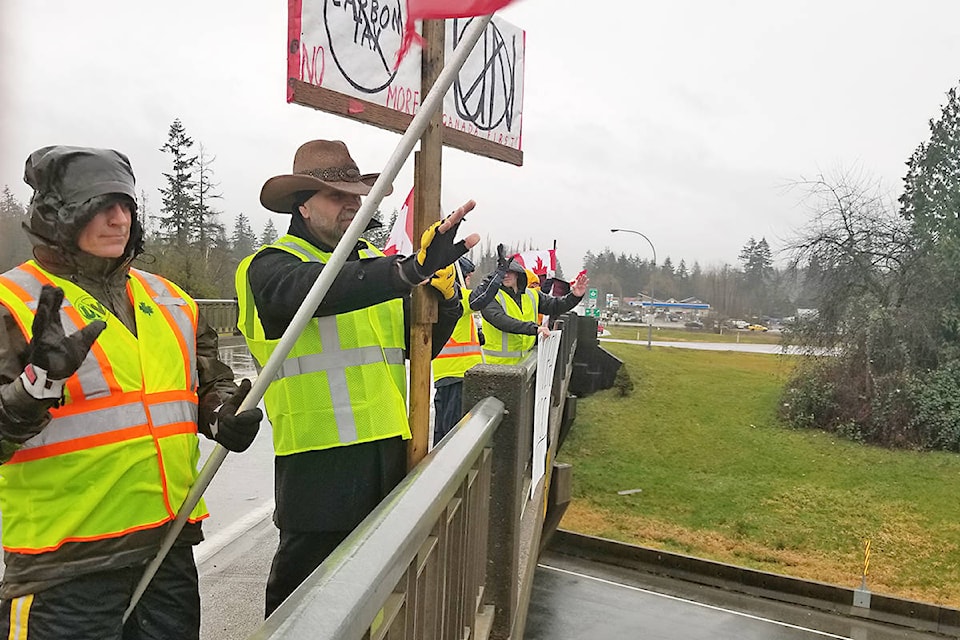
(483, 298)
(334, 489)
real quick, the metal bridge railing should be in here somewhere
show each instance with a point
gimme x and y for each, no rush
(415, 567)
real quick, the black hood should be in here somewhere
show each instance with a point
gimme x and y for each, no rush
(70, 185)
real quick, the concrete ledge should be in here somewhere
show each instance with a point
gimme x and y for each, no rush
(907, 613)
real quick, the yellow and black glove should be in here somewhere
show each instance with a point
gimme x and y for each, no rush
(445, 281)
(437, 250)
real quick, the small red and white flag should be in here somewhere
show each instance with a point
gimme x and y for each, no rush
(440, 10)
(542, 262)
(401, 236)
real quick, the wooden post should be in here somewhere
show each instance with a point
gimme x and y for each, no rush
(426, 210)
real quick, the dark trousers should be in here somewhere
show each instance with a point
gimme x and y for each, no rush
(91, 606)
(299, 553)
(447, 409)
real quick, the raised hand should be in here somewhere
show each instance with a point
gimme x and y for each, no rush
(53, 356)
(438, 248)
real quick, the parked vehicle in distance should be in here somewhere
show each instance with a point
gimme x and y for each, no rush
(693, 324)
(756, 327)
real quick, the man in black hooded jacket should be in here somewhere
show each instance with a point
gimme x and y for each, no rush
(510, 309)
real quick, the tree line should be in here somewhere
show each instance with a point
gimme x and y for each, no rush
(754, 289)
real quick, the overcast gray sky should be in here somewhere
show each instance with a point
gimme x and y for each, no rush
(681, 120)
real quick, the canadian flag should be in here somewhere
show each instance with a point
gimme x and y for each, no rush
(542, 262)
(401, 236)
(439, 10)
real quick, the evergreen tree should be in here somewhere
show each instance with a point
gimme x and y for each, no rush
(931, 195)
(269, 235)
(243, 239)
(14, 247)
(179, 196)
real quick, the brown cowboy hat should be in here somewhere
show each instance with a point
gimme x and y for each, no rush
(316, 165)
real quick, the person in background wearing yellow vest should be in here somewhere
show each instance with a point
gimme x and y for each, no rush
(461, 352)
(105, 374)
(338, 405)
(510, 318)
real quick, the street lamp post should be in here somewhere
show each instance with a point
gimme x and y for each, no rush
(652, 307)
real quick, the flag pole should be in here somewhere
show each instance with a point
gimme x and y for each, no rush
(431, 103)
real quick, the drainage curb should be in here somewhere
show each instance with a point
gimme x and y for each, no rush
(819, 595)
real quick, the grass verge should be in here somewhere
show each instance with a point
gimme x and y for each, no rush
(721, 479)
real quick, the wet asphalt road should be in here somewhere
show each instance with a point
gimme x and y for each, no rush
(575, 599)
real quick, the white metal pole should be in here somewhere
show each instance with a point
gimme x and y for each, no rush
(430, 104)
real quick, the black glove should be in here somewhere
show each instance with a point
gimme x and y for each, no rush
(52, 356)
(233, 430)
(437, 250)
(503, 261)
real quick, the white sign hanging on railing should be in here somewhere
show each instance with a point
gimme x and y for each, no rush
(547, 351)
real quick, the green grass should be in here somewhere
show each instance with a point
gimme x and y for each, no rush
(692, 335)
(722, 479)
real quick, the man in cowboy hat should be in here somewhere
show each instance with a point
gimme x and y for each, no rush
(106, 374)
(338, 405)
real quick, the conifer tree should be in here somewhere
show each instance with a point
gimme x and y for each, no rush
(269, 235)
(243, 239)
(14, 247)
(931, 196)
(179, 195)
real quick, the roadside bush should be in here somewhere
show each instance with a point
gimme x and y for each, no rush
(623, 383)
(809, 397)
(841, 396)
(936, 396)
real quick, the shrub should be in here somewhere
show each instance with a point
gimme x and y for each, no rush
(623, 383)
(936, 396)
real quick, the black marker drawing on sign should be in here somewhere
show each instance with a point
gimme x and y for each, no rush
(489, 99)
(367, 35)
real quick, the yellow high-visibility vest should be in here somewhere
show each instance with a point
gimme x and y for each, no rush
(510, 348)
(344, 381)
(121, 453)
(462, 350)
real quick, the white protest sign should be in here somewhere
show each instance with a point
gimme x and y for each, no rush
(546, 363)
(350, 47)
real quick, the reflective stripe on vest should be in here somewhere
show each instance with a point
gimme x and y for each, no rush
(462, 350)
(122, 452)
(344, 380)
(512, 346)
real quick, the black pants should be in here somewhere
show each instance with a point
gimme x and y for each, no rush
(91, 607)
(299, 553)
(447, 409)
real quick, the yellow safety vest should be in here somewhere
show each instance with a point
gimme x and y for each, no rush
(510, 348)
(462, 350)
(344, 381)
(121, 453)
